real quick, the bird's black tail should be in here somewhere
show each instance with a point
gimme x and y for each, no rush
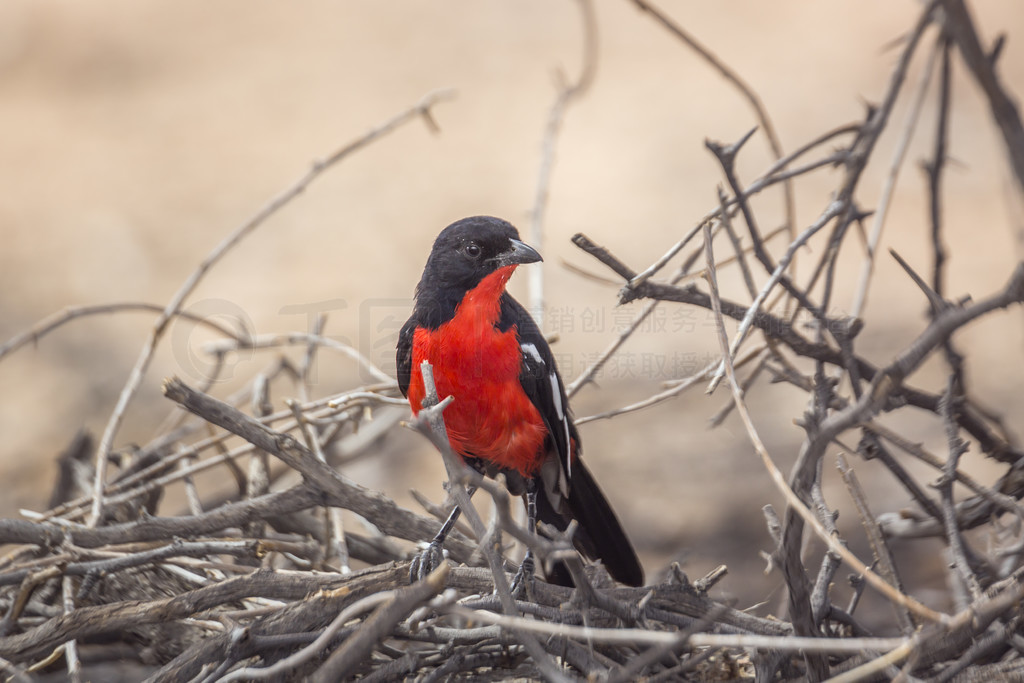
(599, 536)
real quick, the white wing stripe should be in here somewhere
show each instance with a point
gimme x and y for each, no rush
(556, 396)
(531, 349)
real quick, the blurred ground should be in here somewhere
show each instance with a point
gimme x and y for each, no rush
(135, 135)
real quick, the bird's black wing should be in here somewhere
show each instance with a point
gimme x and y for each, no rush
(572, 493)
(403, 357)
(540, 380)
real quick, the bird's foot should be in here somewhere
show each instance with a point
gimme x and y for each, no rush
(426, 561)
(522, 582)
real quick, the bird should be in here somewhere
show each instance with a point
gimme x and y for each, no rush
(510, 413)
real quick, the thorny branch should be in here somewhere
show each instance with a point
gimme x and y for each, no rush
(874, 389)
(567, 94)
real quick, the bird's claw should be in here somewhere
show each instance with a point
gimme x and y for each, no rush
(522, 582)
(426, 562)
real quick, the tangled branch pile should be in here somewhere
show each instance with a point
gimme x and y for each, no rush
(259, 585)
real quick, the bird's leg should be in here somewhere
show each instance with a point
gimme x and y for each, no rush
(432, 556)
(524, 577)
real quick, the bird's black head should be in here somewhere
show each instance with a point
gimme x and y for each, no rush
(469, 250)
(465, 253)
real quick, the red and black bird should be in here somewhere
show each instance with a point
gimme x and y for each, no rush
(510, 414)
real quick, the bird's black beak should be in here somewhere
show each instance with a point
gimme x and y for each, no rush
(519, 253)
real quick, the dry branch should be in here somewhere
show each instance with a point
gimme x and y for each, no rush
(335, 491)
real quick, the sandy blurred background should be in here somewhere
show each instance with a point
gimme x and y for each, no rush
(135, 136)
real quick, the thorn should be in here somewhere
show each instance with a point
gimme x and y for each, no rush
(729, 153)
(936, 302)
(997, 49)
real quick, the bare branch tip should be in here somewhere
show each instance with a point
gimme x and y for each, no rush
(1016, 285)
(171, 386)
(426, 105)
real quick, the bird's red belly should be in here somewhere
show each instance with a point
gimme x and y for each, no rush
(491, 417)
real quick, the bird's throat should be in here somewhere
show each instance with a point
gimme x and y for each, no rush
(483, 302)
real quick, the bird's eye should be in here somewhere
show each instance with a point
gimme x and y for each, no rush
(472, 250)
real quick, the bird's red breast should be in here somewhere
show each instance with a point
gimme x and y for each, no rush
(491, 417)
